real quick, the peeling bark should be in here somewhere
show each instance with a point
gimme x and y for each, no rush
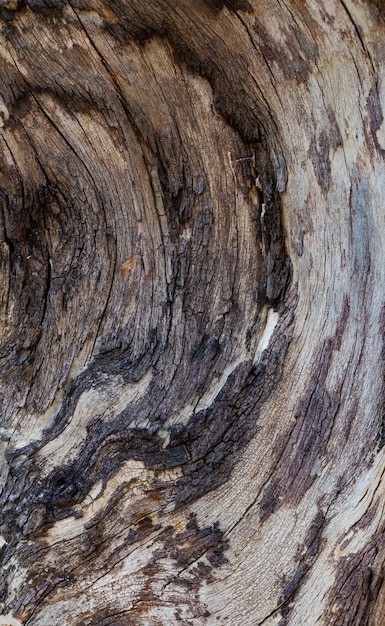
(192, 312)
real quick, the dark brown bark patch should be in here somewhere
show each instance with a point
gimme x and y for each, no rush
(356, 587)
(305, 558)
(321, 151)
(233, 5)
(380, 4)
(297, 63)
(376, 118)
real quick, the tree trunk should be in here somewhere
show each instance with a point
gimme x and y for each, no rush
(192, 312)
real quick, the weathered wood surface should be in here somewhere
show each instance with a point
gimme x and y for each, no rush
(192, 312)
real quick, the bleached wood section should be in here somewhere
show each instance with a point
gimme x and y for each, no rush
(192, 313)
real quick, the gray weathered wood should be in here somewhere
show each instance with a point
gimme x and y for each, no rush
(192, 312)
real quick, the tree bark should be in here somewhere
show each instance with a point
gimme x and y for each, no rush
(192, 312)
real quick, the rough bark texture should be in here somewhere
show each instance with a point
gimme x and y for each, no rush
(192, 312)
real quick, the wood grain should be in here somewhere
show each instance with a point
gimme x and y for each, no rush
(192, 312)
